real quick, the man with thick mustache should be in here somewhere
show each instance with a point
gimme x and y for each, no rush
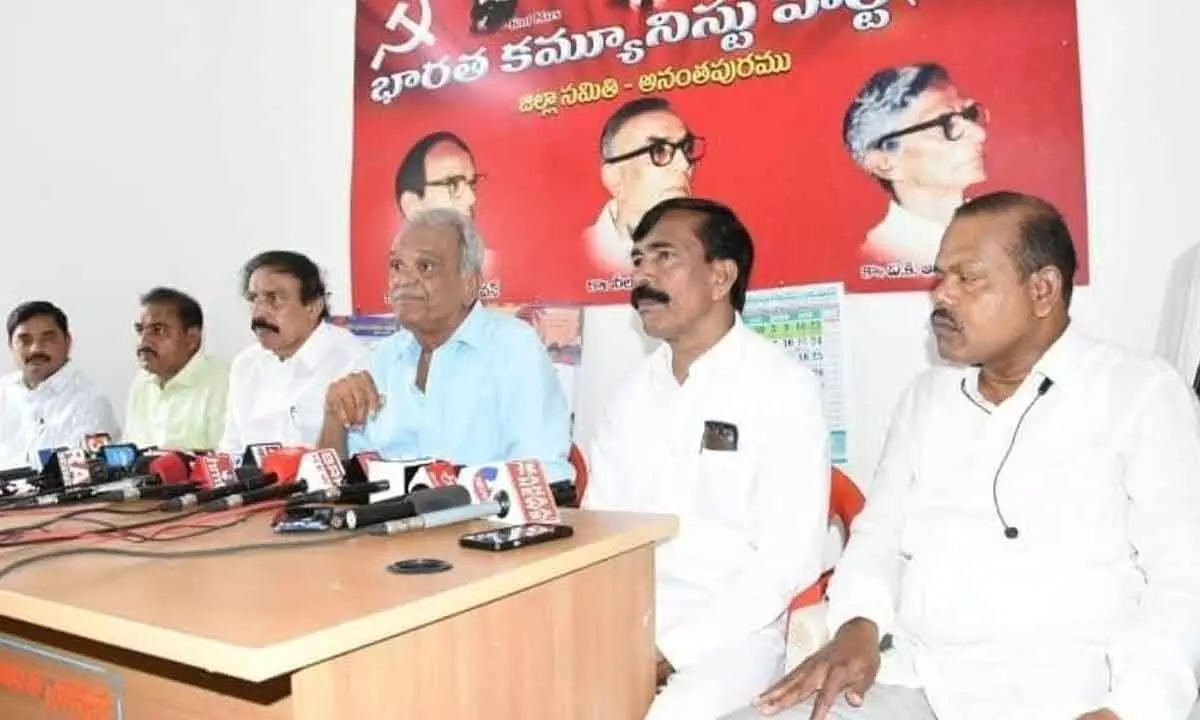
(1028, 545)
(722, 428)
(457, 381)
(47, 402)
(177, 398)
(277, 387)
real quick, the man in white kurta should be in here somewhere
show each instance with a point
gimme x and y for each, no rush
(277, 386)
(1029, 543)
(48, 401)
(723, 429)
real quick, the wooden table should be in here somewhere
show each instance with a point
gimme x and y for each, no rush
(563, 630)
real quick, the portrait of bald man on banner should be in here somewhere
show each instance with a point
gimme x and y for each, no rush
(922, 139)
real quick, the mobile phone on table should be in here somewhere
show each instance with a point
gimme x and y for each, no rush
(303, 519)
(511, 538)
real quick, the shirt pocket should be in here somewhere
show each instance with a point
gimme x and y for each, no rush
(726, 487)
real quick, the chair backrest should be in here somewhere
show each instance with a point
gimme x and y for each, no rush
(579, 462)
(845, 503)
(845, 500)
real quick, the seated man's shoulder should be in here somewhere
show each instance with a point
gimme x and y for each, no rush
(247, 357)
(507, 333)
(1128, 372)
(345, 342)
(768, 361)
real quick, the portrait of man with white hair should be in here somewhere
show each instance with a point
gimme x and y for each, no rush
(922, 139)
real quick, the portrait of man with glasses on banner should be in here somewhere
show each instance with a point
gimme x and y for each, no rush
(439, 171)
(912, 130)
(647, 154)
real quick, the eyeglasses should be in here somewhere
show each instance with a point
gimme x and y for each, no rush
(455, 184)
(953, 124)
(662, 151)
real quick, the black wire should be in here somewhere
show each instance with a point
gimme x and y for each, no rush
(7, 533)
(177, 554)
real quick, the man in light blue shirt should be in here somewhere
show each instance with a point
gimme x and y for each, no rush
(457, 381)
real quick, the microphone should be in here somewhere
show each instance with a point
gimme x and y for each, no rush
(46, 454)
(70, 476)
(357, 467)
(398, 474)
(330, 478)
(524, 484)
(254, 453)
(315, 469)
(418, 503)
(215, 476)
(438, 473)
(92, 442)
(476, 511)
(119, 458)
(167, 477)
(1010, 531)
(18, 483)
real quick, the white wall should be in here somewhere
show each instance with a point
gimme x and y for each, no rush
(165, 141)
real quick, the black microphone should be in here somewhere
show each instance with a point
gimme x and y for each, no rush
(416, 503)
(271, 491)
(1010, 531)
(437, 518)
(166, 476)
(249, 478)
(337, 492)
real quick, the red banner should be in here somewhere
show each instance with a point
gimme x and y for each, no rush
(843, 132)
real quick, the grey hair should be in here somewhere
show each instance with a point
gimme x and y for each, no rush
(470, 242)
(876, 109)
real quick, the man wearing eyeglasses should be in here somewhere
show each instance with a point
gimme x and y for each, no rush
(438, 171)
(647, 155)
(911, 129)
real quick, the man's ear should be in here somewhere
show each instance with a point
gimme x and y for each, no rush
(881, 164)
(725, 274)
(474, 281)
(1045, 288)
(194, 338)
(610, 178)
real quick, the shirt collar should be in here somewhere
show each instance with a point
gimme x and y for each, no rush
(471, 331)
(1060, 361)
(53, 385)
(188, 375)
(713, 361)
(312, 351)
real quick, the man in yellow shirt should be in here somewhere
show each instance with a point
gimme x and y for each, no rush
(177, 399)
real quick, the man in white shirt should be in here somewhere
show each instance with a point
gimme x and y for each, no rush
(277, 387)
(922, 140)
(47, 402)
(723, 429)
(1029, 541)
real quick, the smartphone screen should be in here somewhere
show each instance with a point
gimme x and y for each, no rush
(509, 538)
(303, 519)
